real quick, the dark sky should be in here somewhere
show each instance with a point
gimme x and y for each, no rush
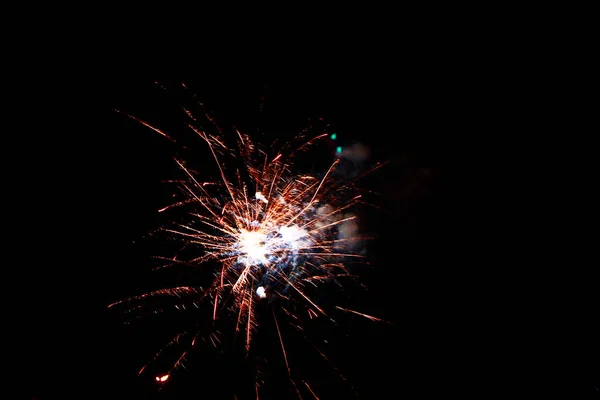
(422, 277)
(407, 222)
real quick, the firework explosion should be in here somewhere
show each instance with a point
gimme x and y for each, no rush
(274, 235)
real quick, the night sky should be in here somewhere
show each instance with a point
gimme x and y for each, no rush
(447, 326)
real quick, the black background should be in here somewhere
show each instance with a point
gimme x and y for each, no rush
(461, 313)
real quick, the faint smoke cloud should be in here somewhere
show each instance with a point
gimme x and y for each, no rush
(347, 233)
(357, 153)
(324, 216)
(354, 158)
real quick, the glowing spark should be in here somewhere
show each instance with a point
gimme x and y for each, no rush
(162, 378)
(372, 318)
(261, 292)
(252, 244)
(147, 125)
(261, 197)
(311, 391)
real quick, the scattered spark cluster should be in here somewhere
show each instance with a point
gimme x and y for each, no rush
(271, 233)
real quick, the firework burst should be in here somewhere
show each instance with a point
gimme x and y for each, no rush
(274, 236)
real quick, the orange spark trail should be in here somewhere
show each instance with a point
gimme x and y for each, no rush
(281, 340)
(285, 355)
(147, 125)
(193, 180)
(311, 391)
(249, 319)
(225, 181)
(310, 203)
(303, 295)
(372, 318)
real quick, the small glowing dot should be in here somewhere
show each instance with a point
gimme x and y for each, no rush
(261, 197)
(338, 149)
(261, 292)
(333, 136)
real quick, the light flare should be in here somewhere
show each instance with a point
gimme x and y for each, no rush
(253, 247)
